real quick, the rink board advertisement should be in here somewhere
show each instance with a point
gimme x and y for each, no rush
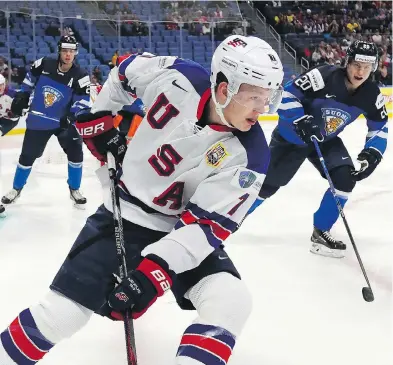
(386, 92)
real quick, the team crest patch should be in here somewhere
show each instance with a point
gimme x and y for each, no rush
(51, 96)
(216, 155)
(334, 119)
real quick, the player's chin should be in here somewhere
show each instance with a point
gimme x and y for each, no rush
(246, 125)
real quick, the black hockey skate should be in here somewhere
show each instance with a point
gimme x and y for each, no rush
(11, 197)
(2, 211)
(323, 243)
(78, 199)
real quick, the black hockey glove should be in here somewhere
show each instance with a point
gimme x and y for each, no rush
(141, 288)
(306, 128)
(67, 120)
(369, 159)
(19, 103)
(100, 136)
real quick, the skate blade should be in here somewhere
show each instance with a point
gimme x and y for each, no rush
(80, 206)
(322, 250)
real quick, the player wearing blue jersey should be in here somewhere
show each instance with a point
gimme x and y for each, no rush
(322, 102)
(60, 90)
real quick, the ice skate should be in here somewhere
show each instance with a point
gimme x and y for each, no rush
(78, 199)
(11, 196)
(324, 244)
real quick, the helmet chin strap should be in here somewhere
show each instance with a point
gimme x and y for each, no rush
(220, 107)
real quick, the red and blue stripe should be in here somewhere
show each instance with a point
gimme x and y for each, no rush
(23, 341)
(216, 227)
(207, 344)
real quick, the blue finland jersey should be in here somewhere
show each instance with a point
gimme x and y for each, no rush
(56, 94)
(323, 94)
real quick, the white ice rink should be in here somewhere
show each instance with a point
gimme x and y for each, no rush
(308, 310)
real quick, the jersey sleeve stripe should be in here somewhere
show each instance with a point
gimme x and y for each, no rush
(223, 221)
(216, 227)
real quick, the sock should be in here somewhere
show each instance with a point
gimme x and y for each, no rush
(74, 174)
(328, 213)
(23, 342)
(205, 344)
(21, 175)
(255, 205)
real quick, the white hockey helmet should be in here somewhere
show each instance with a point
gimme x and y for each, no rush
(247, 60)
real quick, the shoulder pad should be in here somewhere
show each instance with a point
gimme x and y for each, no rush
(197, 75)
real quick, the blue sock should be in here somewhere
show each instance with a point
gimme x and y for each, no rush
(328, 213)
(255, 205)
(74, 174)
(21, 175)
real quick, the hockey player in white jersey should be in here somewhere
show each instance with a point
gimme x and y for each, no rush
(189, 176)
(8, 121)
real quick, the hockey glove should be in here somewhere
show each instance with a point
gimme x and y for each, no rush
(100, 136)
(141, 288)
(369, 159)
(19, 103)
(66, 121)
(306, 128)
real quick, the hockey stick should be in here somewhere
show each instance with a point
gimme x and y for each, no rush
(367, 292)
(121, 257)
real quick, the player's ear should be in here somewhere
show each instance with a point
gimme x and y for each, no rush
(223, 89)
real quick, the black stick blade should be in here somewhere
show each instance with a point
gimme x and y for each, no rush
(368, 294)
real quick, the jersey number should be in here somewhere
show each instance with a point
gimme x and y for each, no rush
(384, 112)
(242, 199)
(303, 82)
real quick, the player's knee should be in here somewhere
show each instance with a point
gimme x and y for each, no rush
(342, 178)
(27, 160)
(222, 300)
(75, 154)
(75, 157)
(58, 317)
(268, 190)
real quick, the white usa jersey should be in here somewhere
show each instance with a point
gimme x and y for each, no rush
(196, 184)
(5, 103)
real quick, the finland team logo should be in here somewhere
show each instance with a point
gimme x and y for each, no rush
(51, 96)
(334, 119)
